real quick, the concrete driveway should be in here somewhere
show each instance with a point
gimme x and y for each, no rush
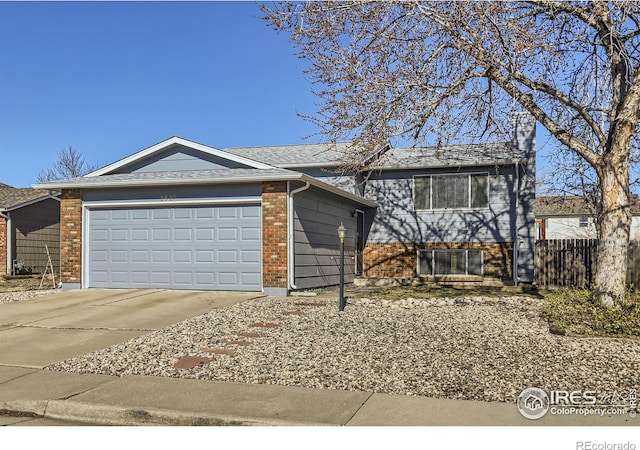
(39, 332)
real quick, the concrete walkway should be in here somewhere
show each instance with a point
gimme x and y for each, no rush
(143, 400)
(36, 333)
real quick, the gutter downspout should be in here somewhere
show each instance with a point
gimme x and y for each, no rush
(7, 217)
(57, 198)
(290, 230)
(516, 242)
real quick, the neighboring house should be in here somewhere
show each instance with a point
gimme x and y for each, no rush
(574, 217)
(184, 215)
(29, 221)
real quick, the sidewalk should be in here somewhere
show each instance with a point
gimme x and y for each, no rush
(144, 400)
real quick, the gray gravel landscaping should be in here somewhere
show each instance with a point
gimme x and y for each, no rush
(470, 348)
(16, 296)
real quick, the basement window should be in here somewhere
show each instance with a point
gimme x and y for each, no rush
(450, 262)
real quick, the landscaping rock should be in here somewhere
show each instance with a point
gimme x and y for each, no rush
(487, 350)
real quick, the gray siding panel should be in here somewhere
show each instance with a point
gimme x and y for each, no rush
(346, 182)
(180, 158)
(317, 216)
(34, 227)
(397, 220)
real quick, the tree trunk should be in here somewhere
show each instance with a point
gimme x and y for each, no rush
(615, 226)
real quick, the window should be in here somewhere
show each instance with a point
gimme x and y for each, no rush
(584, 221)
(451, 191)
(450, 262)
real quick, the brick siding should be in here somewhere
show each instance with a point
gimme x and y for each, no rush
(274, 234)
(71, 235)
(400, 260)
(3, 246)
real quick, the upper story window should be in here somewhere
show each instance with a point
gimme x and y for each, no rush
(451, 191)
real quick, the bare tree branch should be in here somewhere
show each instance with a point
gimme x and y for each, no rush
(70, 164)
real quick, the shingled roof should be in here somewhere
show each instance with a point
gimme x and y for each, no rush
(11, 197)
(573, 206)
(334, 155)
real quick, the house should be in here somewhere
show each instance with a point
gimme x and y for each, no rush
(29, 221)
(574, 217)
(180, 214)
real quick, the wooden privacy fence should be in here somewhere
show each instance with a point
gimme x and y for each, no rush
(572, 263)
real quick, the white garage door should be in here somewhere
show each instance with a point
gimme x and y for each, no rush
(199, 247)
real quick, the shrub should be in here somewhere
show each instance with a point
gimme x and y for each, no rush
(577, 311)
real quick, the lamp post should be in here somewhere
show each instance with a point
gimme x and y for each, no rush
(342, 232)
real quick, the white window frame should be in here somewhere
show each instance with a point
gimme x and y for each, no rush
(466, 266)
(431, 176)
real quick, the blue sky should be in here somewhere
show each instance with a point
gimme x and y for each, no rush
(110, 79)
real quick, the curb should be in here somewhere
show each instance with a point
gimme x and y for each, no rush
(27, 408)
(102, 414)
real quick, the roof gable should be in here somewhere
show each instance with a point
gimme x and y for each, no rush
(165, 154)
(180, 158)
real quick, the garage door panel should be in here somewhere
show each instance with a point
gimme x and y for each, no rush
(227, 256)
(99, 235)
(140, 214)
(119, 276)
(205, 234)
(118, 256)
(250, 234)
(251, 212)
(252, 279)
(203, 247)
(205, 213)
(228, 213)
(182, 234)
(182, 214)
(100, 256)
(139, 256)
(250, 256)
(161, 234)
(160, 256)
(160, 214)
(140, 235)
(139, 277)
(227, 234)
(205, 278)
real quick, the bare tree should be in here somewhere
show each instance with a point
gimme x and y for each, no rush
(436, 72)
(70, 164)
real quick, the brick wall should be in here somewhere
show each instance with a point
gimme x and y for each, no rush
(71, 235)
(3, 246)
(274, 234)
(400, 260)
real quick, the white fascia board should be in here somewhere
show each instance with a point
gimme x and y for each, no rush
(177, 141)
(171, 182)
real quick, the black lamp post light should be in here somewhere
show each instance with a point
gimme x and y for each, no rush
(342, 233)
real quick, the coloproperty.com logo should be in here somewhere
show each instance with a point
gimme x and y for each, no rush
(534, 403)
